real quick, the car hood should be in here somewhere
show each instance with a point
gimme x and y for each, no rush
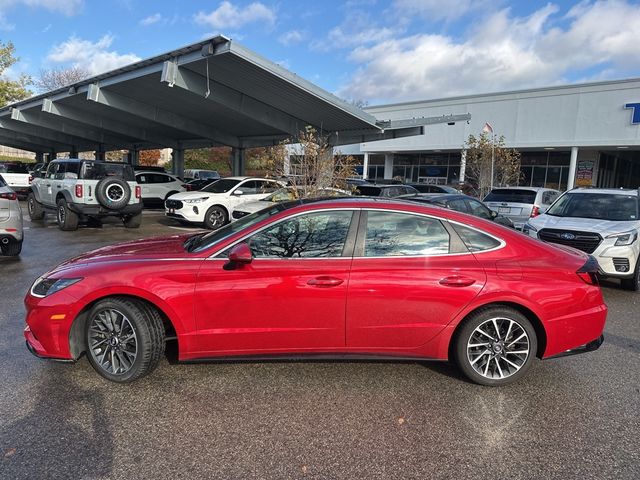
(190, 195)
(158, 247)
(603, 227)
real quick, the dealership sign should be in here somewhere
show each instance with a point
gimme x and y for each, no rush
(635, 117)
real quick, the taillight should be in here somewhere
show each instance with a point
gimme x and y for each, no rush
(9, 196)
(185, 186)
(535, 211)
(30, 178)
(138, 191)
(588, 272)
(79, 191)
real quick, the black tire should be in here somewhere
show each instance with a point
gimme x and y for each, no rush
(67, 219)
(132, 221)
(216, 217)
(486, 364)
(12, 249)
(633, 283)
(113, 193)
(110, 351)
(36, 212)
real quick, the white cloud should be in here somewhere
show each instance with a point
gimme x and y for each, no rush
(291, 37)
(92, 56)
(436, 10)
(227, 16)
(356, 29)
(501, 52)
(67, 7)
(151, 19)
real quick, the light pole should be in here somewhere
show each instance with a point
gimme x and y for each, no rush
(493, 145)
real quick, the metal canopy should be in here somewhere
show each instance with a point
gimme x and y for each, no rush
(214, 92)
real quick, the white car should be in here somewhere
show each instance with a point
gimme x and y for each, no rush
(10, 221)
(214, 203)
(602, 222)
(158, 186)
(281, 195)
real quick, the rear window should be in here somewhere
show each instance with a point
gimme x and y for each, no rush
(511, 195)
(368, 191)
(99, 170)
(14, 168)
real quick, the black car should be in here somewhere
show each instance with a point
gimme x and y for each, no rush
(461, 203)
(199, 184)
(384, 190)
(427, 188)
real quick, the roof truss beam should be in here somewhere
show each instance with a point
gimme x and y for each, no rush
(105, 124)
(41, 135)
(159, 115)
(28, 142)
(175, 76)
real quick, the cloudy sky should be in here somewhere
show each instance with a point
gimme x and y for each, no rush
(373, 50)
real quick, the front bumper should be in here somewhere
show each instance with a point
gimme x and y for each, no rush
(187, 213)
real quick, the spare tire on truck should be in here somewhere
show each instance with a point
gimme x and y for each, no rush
(113, 193)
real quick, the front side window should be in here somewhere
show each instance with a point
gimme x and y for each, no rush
(314, 235)
(391, 234)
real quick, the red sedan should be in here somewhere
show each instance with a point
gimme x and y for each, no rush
(361, 277)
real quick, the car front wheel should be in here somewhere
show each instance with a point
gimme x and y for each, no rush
(36, 212)
(215, 217)
(125, 339)
(67, 219)
(495, 346)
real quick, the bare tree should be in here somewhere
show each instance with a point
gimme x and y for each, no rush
(481, 151)
(54, 78)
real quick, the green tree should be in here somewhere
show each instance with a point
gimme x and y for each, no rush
(11, 90)
(480, 151)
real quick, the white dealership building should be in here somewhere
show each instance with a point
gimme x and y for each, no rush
(573, 135)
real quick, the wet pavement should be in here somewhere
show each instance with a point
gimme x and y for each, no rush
(576, 417)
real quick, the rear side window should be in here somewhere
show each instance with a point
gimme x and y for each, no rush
(474, 240)
(14, 168)
(391, 234)
(511, 195)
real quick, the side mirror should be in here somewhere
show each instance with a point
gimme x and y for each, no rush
(239, 255)
(238, 192)
(494, 214)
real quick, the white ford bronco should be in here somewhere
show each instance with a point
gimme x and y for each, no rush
(86, 190)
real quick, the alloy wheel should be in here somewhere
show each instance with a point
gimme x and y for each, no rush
(498, 348)
(115, 192)
(113, 342)
(62, 214)
(216, 218)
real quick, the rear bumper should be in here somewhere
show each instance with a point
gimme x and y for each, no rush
(98, 210)
(587, 347)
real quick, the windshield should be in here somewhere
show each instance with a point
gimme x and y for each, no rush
(200, 242)
(221, 186)
(601, 206)
(511, 195)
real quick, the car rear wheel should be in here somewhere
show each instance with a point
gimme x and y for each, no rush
(495, 346)
(125, 339)
(36, 212)
(67, 219)
(215, 217)
(632, 283)
(12, 248)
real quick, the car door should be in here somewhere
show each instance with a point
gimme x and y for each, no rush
(290, 298)
(144, 180)
(46, 193)
(410, 277)
(252, 190)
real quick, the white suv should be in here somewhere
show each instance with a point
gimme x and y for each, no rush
(158, 186)
(602, 222)
(214, 203)
(10, 221)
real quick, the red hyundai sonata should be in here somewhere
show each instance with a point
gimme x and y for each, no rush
(365, 278)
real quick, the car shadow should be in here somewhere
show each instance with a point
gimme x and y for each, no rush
(65, 435)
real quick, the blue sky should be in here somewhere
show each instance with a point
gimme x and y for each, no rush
(377, 51)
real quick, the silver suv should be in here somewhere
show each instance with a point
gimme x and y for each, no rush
(602, 222)
(10, 221)
(519, 204)
(86, 190)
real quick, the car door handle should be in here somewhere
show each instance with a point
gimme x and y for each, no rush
(48, 184)
(59, 186)
(325, 282)
(457, 281)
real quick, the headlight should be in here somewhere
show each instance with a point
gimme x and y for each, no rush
(43, 287)
(195, 200)
(626, 238)
(529, 230)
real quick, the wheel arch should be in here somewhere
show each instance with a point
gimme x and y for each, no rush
(541, 334)
(63, 194)
(77, 343)
(36, 194)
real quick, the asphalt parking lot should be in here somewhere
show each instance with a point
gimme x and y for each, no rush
(576, 417)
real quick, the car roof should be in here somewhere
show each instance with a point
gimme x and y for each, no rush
(532, 189)
(138, 172)
(438, 196)
(609, 191)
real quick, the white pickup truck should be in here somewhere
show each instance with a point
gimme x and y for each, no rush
(16, 175)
